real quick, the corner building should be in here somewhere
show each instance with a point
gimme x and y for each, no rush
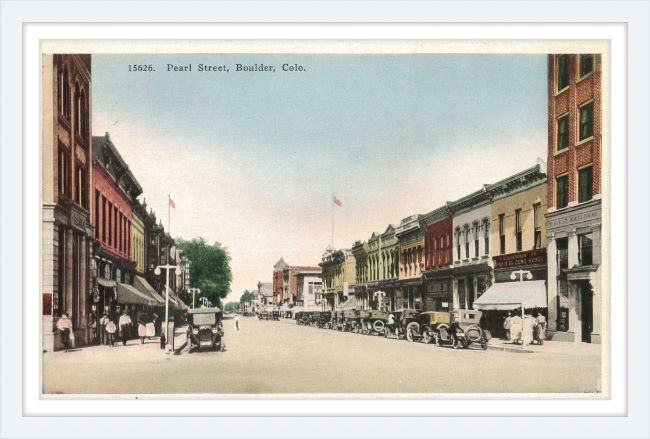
(67, 230)
(574, 197)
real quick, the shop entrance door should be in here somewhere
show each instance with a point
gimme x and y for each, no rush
(587, 310)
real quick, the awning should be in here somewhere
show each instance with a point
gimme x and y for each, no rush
(351, 303)
(106, 282)
(128, 295)
(141, 284)
(507, 295)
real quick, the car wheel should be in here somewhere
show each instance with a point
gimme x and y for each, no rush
(439, 339)
(426, 336)
(412, 330)
(455, 343)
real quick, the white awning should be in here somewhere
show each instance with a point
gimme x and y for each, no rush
(507, 295)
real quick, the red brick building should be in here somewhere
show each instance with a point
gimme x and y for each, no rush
(574, 196)
(278, 279)
(438, 260)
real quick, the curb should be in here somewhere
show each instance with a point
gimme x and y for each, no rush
(510, 349)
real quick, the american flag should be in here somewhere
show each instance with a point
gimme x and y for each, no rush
(171, 203)
(336, 201)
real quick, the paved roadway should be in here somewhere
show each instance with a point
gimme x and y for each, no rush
(282, 357)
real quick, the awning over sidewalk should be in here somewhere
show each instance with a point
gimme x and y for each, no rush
(507, 295)
(141, 284)
(128, 295)
(106, 282)
(351, 303)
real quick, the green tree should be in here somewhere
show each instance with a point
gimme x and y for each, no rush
(246, 297)
(232, 306)
(209, 268)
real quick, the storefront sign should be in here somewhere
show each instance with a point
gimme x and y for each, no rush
(78, 221)
(593, 215)
(438, 287)
(537, 256)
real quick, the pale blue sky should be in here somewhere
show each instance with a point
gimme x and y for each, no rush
(251, 159)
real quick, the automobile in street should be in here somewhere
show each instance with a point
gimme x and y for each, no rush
(205, 329)
(463, 330)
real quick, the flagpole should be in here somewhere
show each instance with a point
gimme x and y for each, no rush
(332, 222)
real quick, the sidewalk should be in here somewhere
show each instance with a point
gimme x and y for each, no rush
(549, 347)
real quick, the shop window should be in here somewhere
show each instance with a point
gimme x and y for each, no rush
(563, 133)
(562, 192)
(586, 121)
(502, 235)
(586, 243)
(537, 213)
(586, 64)
(562, 71)
(585, 184)
(481, 286)
(518, 233)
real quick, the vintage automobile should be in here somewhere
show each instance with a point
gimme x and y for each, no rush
(406, 324)
(350, 320)
(429, 322)
(314, 318)
(373, 322)
(205, 329)
(302, 318)
(324, 319)
(275, 315)
(337, 320)
(463, 330)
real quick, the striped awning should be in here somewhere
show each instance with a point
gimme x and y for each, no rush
(141, 284)
(128, 295)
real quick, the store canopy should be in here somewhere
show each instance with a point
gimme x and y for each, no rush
(507, 295)
(106, 282)
(351, 303)
(141, 284)
(128, 295)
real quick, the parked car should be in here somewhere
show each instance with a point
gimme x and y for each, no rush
(463, 330)
(429, 322)
(373, 322)
(314, 318)
(350, 320)
(275, 315)
(205, 329)
(406, 324)
(324, 320)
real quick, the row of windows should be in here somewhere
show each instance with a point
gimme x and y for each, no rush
(113, 228)
(65, 187)
(519, 241)
(585, 187)
(81, 111)
(585, 126)
(465, 233)
(585, 67)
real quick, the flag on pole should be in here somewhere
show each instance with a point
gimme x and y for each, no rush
(337, 201)
(171, 203)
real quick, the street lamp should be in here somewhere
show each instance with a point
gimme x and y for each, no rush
(167, 290)
(529, 276)
(193, 291)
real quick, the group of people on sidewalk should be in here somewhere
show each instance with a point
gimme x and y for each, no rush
(533, 328)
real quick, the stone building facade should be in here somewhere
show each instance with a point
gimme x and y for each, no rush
(339, 271)
(360, 252)
(574, 197)
(67, 223)
(383, 270)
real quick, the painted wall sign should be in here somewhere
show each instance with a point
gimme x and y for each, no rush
(537, 256)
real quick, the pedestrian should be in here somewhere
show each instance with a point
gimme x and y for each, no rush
(237, 322)
(507, 324)
(151, 327)
(125, 327)
(103, 336)
(64, 324)
(110, 332)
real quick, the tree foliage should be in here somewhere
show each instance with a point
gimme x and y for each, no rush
(209, 268)
(246, 297)
(232, 306)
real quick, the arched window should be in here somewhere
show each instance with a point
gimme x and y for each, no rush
(63, 92)
(77, 109)
(82, 114)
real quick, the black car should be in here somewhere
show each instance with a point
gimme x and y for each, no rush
(205, 329)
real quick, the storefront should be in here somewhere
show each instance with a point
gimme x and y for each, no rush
(574, 273)
(412, 293)
(439, 290)
(470, 282)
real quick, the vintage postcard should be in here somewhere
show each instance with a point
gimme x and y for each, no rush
(339, 219)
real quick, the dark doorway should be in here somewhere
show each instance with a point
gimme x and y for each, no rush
(461, 294)
(587, 312)
(470, 292)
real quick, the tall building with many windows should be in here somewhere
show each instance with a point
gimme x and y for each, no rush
(574, 196)
(67, 232)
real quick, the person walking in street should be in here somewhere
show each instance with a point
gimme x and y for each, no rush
(507, 324)
(237, 322)
(103, 335)
(64, 324)
(125, 327)
(110, 332)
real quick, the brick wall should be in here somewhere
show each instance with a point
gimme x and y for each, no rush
(435, 255)
(107, 188)
(580, 90)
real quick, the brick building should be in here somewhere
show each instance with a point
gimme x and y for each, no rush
(438, 260)
(574, 196)
(67, 229)
(278, 281)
